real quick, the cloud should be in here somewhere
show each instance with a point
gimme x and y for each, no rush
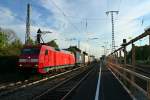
(7, 16)
(63, 9)
(67, 19)
(9, 20)
(58, 18)
(129, 21)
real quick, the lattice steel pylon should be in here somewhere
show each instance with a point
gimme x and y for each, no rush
(112, 21)
(27, 36)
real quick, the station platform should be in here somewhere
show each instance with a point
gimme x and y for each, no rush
(110, 88)
(100, 86)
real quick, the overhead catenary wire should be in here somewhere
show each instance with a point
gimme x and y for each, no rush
(107, 5)
(92, 19)
(119, 5)
(65, 15)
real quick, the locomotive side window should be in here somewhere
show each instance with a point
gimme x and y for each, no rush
(46, 52)
(30, 51)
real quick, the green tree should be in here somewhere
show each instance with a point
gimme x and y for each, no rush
(142, 53)
(73, 49)
(9, 43)
(17, 43)
(3, 40)
(31, 42)
(53, 44)
(15, 47)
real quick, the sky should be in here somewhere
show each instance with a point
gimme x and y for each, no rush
(71, 21)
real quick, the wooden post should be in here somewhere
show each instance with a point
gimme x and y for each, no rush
(149, 39)
(148, 89)
(133, 64)
(117, 58)
(125, 62)
(133, 55)
(120, 58)
(125, 56)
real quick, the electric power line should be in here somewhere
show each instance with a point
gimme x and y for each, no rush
(119, 5)
(65, 15)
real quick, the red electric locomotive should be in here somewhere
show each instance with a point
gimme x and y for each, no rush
(43, 59)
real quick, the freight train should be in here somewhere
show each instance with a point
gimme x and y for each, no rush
(46, 59)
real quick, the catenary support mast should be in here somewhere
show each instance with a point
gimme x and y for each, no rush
(112, 21)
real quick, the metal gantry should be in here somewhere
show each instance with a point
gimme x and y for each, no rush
(27, 36)
(112, 21)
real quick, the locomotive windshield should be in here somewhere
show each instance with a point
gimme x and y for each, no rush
(30, 51)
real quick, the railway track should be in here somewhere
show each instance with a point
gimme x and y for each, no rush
(35, 88)
(63, 90)
(140, 69)
(25, 83)
(15, 79)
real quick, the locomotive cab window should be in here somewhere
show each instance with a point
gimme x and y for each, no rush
(30, 51)
(46, 52)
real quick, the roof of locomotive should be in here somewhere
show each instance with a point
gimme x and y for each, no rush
(73, 49)
(48, 47)
(32, 46)
(65, 51)
(37, 46)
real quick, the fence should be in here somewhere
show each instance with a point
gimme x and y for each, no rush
(128, 71)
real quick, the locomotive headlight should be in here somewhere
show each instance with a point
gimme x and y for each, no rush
(20, 65)
(36, 65)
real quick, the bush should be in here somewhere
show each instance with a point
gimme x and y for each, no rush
(8, 64)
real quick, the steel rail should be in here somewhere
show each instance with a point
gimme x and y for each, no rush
(58, 85)
(69, 93)
(132, 83)
(138, 69)
(36, 82)
(133, 73)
